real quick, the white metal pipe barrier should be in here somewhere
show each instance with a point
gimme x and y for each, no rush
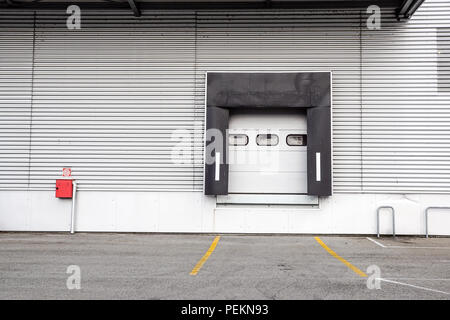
(378, 219)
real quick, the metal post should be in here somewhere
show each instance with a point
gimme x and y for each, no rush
(393, 222)
(378, 219)
(74, 199)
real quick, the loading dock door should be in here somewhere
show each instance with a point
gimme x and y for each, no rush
(230, 93)
(267, 152)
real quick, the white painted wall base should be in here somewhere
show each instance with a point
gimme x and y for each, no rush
(194, 212)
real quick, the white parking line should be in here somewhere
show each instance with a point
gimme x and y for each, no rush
(413, 286)
(376, 242)
(18, 239)
(404, 247)
(422, 279)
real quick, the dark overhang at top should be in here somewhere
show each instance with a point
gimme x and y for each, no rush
(404, 8)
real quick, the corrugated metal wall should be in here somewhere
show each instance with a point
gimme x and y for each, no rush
(406, 109)
(16, 67)
(107, 98)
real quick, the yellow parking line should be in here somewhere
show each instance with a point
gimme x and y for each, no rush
(334, 254)
(202, 261)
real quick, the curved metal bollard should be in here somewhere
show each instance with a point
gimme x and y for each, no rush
(426, 217)
(378, 219)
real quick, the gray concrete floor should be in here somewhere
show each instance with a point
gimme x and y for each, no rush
(151, 266)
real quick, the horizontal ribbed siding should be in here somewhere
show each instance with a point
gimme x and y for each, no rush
(107, 98)
(406, 108)
(16, 65)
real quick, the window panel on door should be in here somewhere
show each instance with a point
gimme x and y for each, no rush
(296, 140)
(267, 139)
(237, 139)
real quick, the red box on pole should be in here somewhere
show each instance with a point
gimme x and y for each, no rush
(64, 188)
